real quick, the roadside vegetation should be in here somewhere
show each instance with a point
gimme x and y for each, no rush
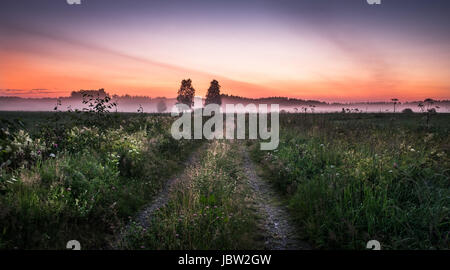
(80, 175)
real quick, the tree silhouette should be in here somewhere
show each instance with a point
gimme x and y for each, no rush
(161, 106)
(186, 93)
(213, 95)
(395, 101)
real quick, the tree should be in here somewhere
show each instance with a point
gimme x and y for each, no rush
(161, 106)
(213, 95)
(186, 93)
(395, 101)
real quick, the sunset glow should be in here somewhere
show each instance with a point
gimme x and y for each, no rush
(346, 51)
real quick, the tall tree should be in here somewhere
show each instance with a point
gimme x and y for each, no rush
(213, 95)
(186, 93)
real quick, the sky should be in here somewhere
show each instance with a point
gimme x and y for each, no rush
(329, 50)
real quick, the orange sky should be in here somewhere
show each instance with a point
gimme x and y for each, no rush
(330, 62)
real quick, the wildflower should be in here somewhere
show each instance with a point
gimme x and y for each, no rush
(142, 246)
(395, 165)
(176, 235)
(331, 166)
(69, 189)
(195, 215)
(390, 171)
(52, 155)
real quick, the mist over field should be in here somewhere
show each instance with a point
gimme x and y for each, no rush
(150, 105)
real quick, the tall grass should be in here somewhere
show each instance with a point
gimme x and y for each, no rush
(85, 185)
(208, 208)
(352, 178)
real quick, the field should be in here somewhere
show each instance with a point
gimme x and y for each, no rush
(351, 178)
(120, 181)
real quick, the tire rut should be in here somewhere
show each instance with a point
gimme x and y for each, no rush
(279, 232)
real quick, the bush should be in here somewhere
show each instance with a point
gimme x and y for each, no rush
(407, 110)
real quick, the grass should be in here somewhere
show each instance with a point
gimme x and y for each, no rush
(352, 178)
(207, 210)
(346, 178)
(81, 181)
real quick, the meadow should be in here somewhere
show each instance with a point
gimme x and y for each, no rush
(345, 178)
(80, 176)
(351, 178)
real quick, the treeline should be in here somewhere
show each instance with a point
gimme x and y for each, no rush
(286, 101)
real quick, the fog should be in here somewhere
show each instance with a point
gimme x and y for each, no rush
(150, 105)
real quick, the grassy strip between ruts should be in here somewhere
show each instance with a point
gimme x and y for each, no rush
(209, 208)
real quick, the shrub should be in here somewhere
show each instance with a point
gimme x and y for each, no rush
(407, 110)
